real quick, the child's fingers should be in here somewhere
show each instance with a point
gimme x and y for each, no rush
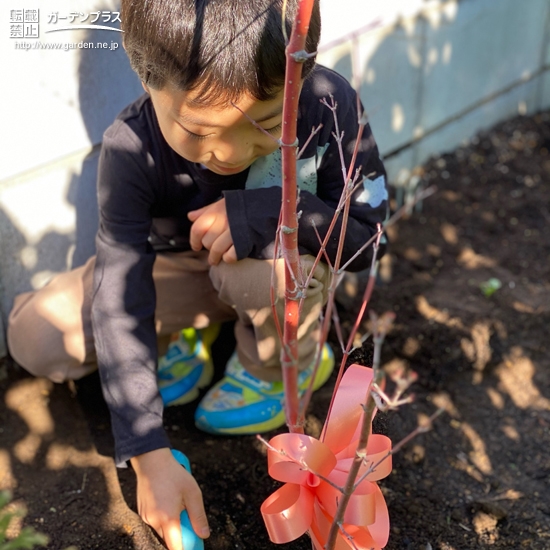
(216, 236)
(197, 516)
(219, 247)
(171, 532)
(199, 230)
(194, 214)
(208, 224)
(217, 207)
(230, 257)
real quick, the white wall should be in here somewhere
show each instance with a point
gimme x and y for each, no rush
(432, 73)
(55, 106)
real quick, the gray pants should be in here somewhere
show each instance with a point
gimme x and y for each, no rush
(50, 332)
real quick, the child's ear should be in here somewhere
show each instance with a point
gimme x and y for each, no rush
(145, 87)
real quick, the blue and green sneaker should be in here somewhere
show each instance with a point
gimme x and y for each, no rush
(241, 404)
(187, 365)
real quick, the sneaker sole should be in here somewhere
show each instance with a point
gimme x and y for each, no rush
(251, 429)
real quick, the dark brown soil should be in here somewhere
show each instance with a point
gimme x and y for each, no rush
(479, 479)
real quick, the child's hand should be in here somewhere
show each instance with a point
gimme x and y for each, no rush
(164, 489)
(211, 229)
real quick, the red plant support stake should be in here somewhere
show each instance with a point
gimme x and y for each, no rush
(295, 56)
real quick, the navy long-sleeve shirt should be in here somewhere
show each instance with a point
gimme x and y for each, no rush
(145, 191)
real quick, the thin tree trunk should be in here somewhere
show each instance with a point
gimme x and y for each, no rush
(289, 225)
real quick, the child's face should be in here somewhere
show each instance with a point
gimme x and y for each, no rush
(221, 138)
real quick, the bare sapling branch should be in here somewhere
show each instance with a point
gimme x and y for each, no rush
(403, 381)
(366, 298)
(374, 241)
(343, 208)
(348, 189)
(398, 446)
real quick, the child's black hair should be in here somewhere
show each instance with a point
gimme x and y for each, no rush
(220, 49)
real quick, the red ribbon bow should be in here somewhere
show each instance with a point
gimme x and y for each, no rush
(307, 502)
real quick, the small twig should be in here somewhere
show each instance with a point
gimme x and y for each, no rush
(341, 240)
(380, 329)
(272, 290)
(392, 220)
(348, 536)
(350, 188)
(418, 430)
(303, 465)
(255, 124)
(283, 22)
(421, 195)
(356, 182)
(314, 131)
(396, 448)
(338, 328)
(361, 250)
(386, 403)
(362, 341)
(322, 249)
(337, 134)
(403, 383)
(295, 292)
(302, 56)
(270, 447)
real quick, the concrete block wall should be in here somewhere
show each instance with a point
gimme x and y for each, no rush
(432, 73)
(435, 72)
